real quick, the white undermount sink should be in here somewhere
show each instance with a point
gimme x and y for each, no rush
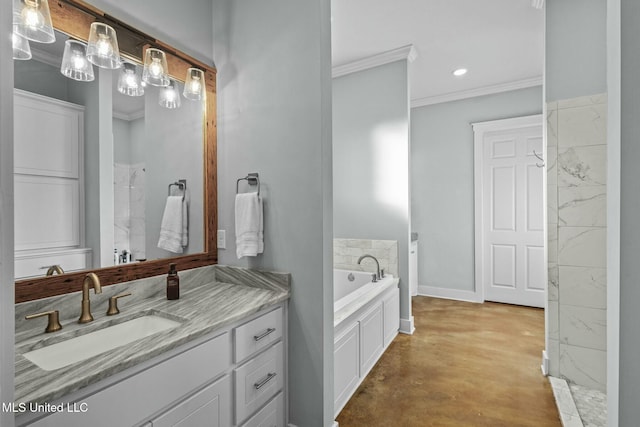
(83, 347)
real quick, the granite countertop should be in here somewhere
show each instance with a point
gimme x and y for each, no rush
(210, 298)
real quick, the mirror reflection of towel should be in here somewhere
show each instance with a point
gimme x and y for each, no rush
(249, 225)
(174, 232)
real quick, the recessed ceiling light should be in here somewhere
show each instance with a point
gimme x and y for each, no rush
(460, 72)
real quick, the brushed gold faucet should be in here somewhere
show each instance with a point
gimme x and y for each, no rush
(90, 279)
(55, 269)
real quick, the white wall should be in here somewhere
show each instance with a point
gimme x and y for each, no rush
(274, 118)
(575, 54)
(6, 215)
(442, 181)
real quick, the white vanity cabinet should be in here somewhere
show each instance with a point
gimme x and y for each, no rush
(196, 385)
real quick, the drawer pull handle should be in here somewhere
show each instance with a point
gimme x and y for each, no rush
(264, 334)
(263, 382)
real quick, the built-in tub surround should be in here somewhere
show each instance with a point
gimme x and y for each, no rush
(211, 297)
(347, 251)
(577, 194)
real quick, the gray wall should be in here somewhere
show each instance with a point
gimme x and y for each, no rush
(274, 118)
(173, 151)
(6, 216)
(629, 410)
(576, 47)
(88, 94)
(442, 206)
(122, 143)
(41, 78)
(137, 134)
(371, 161)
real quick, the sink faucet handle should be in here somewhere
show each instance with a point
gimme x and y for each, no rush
(53, 323)
(113, 304)
(374, 277)
(381, 273)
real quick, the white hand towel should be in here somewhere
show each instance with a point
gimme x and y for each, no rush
(171, 229)
(249, 234)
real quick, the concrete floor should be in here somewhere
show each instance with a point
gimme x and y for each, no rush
(466, 365)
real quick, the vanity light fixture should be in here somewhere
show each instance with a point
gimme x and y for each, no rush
(102, 49)
(169, 96)
(74, 62)
(460, 72)
(194, 84)
(32, 20)
(21, 49)
(155, 67)
(129, 82)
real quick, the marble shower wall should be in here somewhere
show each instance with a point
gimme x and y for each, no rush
(129, 206)
(347, 251)
(577, 193)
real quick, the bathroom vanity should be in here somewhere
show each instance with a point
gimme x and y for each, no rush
(221, 362)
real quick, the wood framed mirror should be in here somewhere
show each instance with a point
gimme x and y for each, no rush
(74, 18)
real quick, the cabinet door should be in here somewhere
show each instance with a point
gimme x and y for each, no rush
(371, 338)
(258, 380)
(346, 366)
(209, 407)
(272, 415)
(391, 307)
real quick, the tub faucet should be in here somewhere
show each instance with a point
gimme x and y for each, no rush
(90, 279)
(378, 276)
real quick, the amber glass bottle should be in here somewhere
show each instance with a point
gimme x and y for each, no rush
(173, 283)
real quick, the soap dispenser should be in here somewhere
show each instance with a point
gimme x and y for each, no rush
(173, 283)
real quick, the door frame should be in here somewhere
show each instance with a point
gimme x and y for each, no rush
(479, 131)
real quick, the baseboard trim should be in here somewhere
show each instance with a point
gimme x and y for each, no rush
(545, 363)
(455, 294)
(335, 424)
(407, 326)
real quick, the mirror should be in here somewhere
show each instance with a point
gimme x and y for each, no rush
(134, 153)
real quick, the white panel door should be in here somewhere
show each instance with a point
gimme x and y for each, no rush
(513, 205)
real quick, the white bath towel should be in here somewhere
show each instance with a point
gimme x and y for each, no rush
(249, 225)
(174, 232)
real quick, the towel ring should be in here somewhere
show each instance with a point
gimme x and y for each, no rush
(252, 179)
(181, 184)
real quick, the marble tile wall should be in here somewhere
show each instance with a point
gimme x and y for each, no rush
(129, 209)
(347, 251)
(576, 192)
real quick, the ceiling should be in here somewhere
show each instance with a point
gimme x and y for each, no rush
(500, 42)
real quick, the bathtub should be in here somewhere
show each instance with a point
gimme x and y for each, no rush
(366, 320)
(352, 290)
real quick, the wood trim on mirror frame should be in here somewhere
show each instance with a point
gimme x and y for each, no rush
(74, 17)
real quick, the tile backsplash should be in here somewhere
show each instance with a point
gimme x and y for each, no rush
(347, 251)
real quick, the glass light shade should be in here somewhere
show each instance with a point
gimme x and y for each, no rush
(194, 84)
(102, 49)
(74, 62)
(155, 68)
(129, 82)
(21, 49)
(32, 20)
(169, 96)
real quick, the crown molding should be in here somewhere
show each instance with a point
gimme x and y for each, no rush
(128, 117)
(45, 57)
(407, 52)
(472, 93)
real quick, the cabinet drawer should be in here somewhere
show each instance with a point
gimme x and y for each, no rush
(258, 380)
(208, 407)
(257, 334)
(272, 415)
